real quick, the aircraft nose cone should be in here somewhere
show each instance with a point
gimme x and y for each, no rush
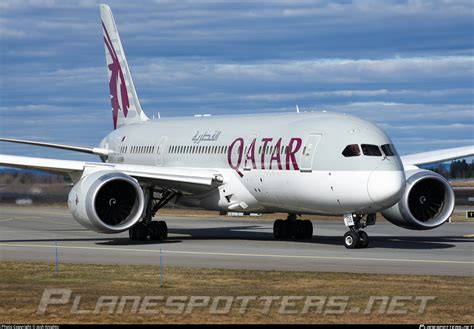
(385, 188)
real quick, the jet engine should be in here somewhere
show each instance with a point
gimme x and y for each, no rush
(107, 201)
(428, 201)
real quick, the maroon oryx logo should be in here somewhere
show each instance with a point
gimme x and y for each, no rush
(116, 73)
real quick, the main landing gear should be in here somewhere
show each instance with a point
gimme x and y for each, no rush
(291, 228)
(147, 229)
(356, 238)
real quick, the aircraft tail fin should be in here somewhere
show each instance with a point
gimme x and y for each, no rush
(126, 108)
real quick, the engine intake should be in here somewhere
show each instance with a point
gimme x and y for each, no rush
(107, 201)
(427, 203)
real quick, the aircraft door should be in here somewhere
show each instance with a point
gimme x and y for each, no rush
(160, 151)
(118, 153)
(308, 153)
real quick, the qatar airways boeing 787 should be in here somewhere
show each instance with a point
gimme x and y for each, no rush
(296, 163)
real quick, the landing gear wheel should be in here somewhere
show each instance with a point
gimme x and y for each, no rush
(299, 229)
(159, 230)
(132, 234)
(144, 231)
(351, 240)
(364, 239)
(308, 229)
(139, 232)
(278, 229)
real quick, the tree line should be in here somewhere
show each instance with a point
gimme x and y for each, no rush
(458, 169)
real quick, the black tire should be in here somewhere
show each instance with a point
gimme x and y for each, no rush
(351, 240)
(143, 232)
(288, 229)
(132, 234)
(159, 230)
(163, 229)
(278, 230)
(300, 229)
(364, 239)
(155, 233)
(308, 229)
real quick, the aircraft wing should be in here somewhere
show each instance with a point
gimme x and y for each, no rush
(90, 150)
(437, 156)
(188, 180)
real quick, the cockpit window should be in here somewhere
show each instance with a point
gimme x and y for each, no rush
(371, 150)
(352, 150)
(388, 150)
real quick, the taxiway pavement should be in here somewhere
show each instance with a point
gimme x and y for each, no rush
(30, 234)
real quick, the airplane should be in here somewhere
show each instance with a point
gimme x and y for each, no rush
(294, 163)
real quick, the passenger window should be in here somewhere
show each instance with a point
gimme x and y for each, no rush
(371, 150)
(352, 150)
(388, 150)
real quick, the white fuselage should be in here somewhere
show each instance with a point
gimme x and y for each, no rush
(280, 162)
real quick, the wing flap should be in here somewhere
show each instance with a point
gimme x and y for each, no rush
(183, 175)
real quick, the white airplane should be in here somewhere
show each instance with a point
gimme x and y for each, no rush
(296, 163)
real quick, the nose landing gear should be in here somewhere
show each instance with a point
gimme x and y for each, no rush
(356, 238)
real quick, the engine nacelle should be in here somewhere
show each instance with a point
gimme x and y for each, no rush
(107, 201)
(427, 203)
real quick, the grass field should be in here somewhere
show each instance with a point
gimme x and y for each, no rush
(22, 285)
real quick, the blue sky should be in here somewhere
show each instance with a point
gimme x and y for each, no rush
(405, 65)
